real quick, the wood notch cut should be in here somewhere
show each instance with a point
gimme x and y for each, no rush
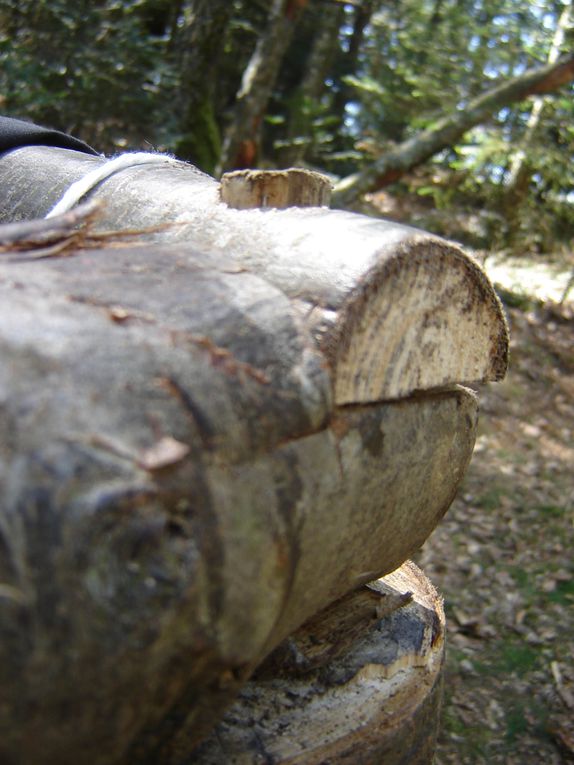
(392, 309)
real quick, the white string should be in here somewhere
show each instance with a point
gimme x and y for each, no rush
(80, 188)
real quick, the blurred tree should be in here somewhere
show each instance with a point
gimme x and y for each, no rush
(365, 89)
(88, 67)
(306, 104)
(523, 162)
(447, 131)
(243, 134)
(201, 39)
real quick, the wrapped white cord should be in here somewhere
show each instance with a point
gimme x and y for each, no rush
(81, 187)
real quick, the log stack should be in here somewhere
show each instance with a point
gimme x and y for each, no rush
(210, 437)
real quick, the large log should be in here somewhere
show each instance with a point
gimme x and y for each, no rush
(361, 279)
(174, 474)
(201, 447)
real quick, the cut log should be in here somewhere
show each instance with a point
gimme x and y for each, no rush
(173, 474)
(358, 684)
(360, 279)
(194, 430)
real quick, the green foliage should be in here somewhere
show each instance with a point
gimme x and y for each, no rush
(491, 499)
(422, 60)
(517, 656)
(87, 67)
(563, 594)
(114, 73)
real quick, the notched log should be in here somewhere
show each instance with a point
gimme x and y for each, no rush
(192, 464)
(397, 310)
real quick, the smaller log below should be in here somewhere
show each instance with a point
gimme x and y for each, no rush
(359, 683)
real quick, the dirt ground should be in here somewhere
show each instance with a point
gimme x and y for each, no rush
(503, 559)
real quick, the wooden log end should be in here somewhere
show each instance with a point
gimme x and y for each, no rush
(295, 187)
(425, 318)
(359, 683)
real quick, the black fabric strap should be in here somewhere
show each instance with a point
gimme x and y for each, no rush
(16, 133)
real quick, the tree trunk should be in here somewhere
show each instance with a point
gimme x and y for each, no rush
(243, 135)
(308, 96)
(447, 131)
(356, 275)
(358, 684)
(202, 40)
(348, 64)
(206, 442)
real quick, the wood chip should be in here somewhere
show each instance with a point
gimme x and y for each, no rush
(166, 452)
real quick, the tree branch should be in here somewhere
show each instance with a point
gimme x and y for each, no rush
(447, 131)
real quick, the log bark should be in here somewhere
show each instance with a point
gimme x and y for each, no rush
(358, 684)
(357, 280)
(392, 165)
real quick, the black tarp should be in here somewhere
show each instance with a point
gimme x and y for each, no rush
(15, 133)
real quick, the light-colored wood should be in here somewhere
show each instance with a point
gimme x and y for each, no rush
(359, 684)
(296, 187)
(396, 310)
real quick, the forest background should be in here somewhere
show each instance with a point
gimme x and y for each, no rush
(453, 115)
(465, 104)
